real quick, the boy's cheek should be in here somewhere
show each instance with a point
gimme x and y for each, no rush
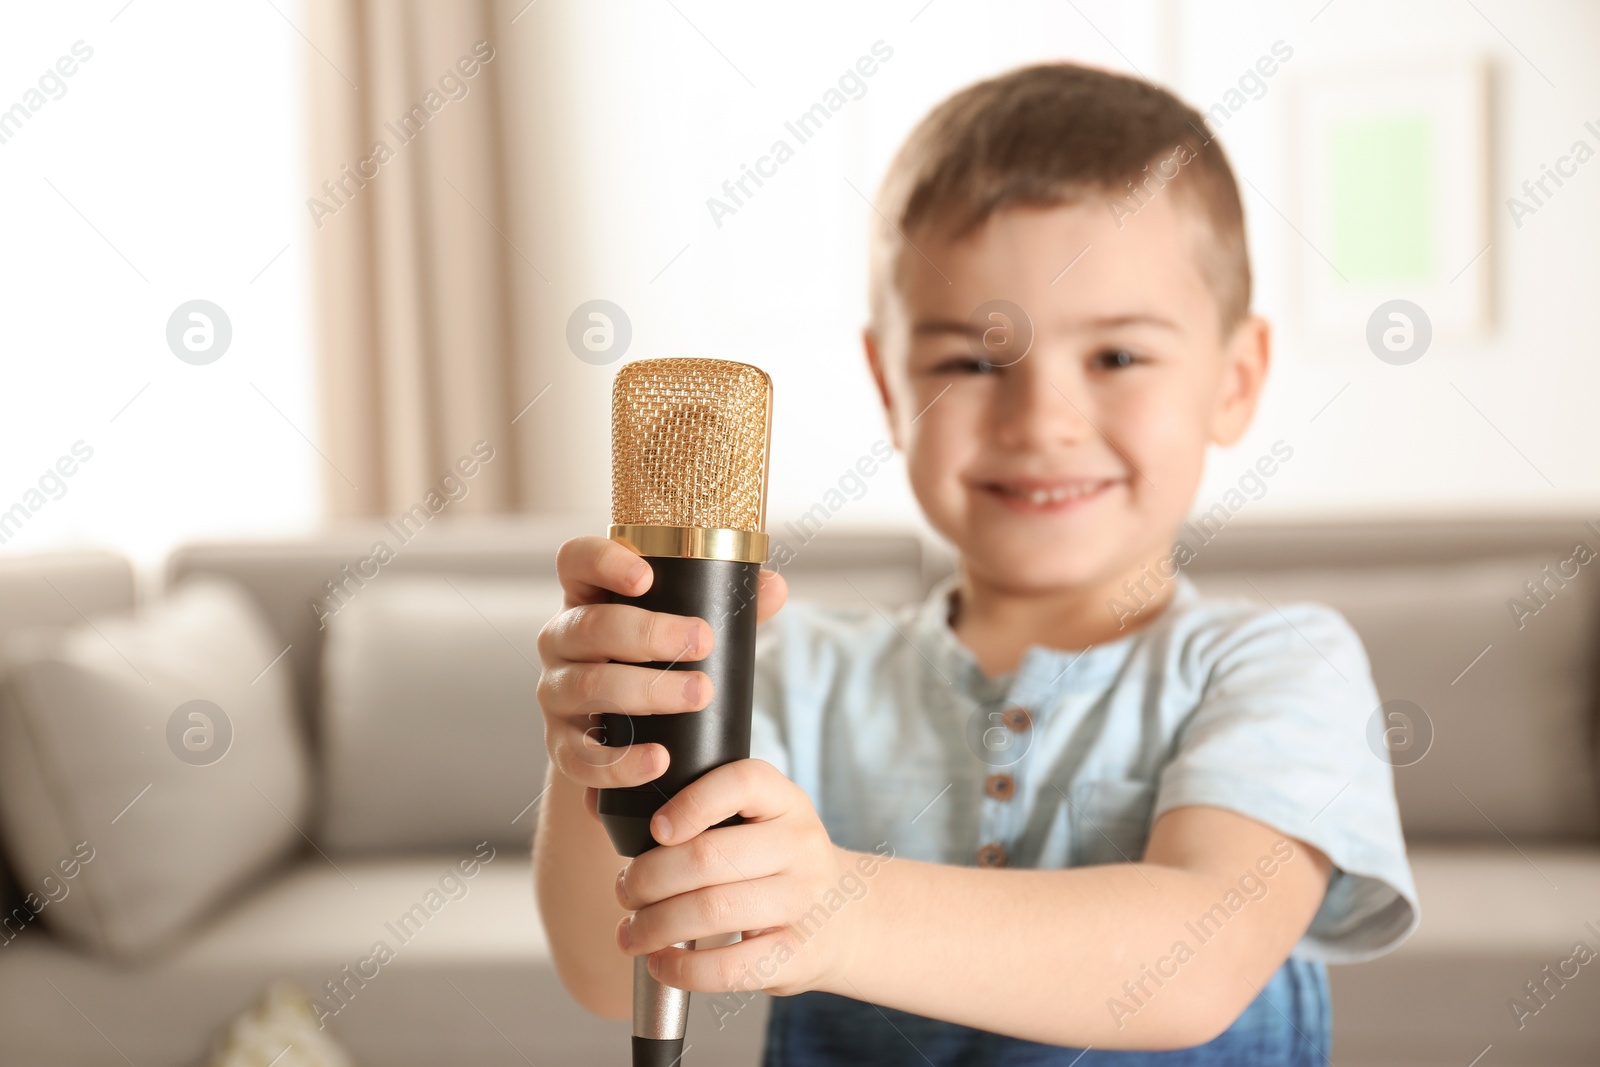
(944, 439)
(932, 489)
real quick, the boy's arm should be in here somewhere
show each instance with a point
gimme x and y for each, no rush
(1125, 955)
(574, 864)
(1163, 953)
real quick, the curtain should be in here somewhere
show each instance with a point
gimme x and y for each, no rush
(425, 274)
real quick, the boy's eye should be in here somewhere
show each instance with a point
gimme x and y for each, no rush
(963, 365)
(1118, 357)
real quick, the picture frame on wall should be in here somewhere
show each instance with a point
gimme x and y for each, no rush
(1390, 166)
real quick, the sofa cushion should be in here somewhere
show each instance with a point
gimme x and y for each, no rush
(431, 731)
(303, 584)
(1494, 919)
(472, 983)
(149, 765)
(51, 588)
(1498, 729)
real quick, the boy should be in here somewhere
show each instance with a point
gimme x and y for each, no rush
(1036, 820)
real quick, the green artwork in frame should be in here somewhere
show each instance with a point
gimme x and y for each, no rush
(1383, 194)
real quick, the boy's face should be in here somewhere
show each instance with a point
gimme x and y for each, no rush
(1127, 380)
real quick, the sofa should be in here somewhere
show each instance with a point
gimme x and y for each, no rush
(414, 753)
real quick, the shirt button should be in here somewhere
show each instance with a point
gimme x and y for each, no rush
(992, 855)
(1000, 786)
(1016, 719)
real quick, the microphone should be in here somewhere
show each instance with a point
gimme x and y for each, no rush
(690, 445)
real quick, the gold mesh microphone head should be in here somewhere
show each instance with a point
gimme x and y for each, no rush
(690, 442)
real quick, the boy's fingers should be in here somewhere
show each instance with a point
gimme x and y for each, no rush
(708, 912)
(609, 768)
(621, 687)
(591, 566)
(594, 633)
(741, 965)
(719, 969)
(722, 854)
(771, 592)
(752, 788)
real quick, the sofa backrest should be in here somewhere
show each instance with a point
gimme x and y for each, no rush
(300, 584)
(1484, 639)
(62, 588)
(414, 659)
(1501, 706)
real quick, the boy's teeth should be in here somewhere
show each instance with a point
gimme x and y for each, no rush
(1056, 495)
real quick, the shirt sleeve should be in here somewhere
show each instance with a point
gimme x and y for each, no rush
(1281, 735)
(769, 732)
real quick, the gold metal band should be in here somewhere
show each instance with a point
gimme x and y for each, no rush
(694, 542)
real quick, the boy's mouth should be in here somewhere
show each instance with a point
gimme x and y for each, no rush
(1029, 495)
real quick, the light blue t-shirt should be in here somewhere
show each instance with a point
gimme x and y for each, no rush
(892, 729)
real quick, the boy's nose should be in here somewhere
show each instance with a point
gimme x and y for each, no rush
(1035, 411)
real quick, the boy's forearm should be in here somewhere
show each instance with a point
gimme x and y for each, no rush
(574, 870)
(1077, 957)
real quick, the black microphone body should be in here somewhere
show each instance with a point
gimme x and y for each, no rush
(722, 592)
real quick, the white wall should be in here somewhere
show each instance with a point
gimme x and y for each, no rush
(675, 109)
(169, 170)
(1406, 439)
(677, 104)
(180, 141)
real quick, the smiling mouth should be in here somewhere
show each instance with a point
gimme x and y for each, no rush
(1056, 496)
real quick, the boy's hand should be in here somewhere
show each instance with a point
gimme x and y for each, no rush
(766, 877)
(578, 682)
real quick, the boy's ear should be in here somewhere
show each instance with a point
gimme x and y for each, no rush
(869, 342)
(1245, 357)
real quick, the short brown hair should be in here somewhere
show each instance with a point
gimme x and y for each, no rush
(1045, 135)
